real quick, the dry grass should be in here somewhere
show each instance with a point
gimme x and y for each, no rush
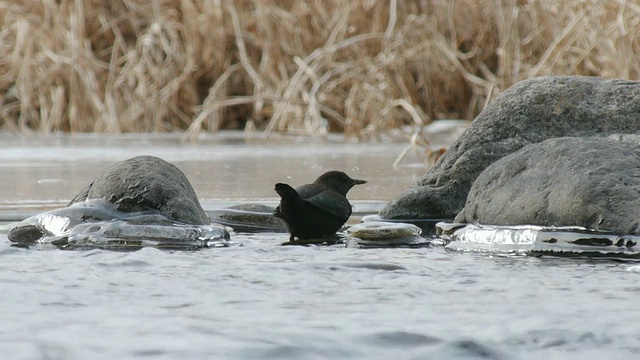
(311, 67)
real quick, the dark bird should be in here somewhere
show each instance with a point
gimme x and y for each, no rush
(316, 210)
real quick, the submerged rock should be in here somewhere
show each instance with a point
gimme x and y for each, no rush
(147, 183)
(529, 112)
(249, 218)
(586, 182)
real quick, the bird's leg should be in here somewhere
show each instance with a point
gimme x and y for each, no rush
(292, 238)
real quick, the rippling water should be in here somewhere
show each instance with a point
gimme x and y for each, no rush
(262, 300)
(259, 300)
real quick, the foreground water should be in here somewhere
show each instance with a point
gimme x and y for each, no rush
(258, 299)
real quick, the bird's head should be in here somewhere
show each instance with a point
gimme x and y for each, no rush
(338, 181)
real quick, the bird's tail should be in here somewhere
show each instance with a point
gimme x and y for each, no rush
(286, 192)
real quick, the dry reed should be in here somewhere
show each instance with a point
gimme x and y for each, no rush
(307, 67)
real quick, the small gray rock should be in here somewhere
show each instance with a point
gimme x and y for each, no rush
(588, 182)
(375, 234)
(381, 230)
(529, 112)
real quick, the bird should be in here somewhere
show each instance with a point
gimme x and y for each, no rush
(316, 210)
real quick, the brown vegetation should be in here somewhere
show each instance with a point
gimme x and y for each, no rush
(361, 67)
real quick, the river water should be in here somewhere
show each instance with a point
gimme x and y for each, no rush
(260, 300)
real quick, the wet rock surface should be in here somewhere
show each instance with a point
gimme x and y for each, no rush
(97, 224)
(123, 235)
(372, 234)
(552, 241)
(147, 183)
(587, 182)
(383, 230)
(428, 226)
(249, 218)
(529, 112)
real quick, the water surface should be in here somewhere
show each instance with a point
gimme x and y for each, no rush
(260, 300)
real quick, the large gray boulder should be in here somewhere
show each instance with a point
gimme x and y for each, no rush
(529, 112)
(589, 182)
(147, 183)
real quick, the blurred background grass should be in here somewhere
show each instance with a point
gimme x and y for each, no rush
(359, 67)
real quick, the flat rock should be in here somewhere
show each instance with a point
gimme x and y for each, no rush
(382, 234)
(529, 112)
(249, 217)
(586, 182)
(383, 230)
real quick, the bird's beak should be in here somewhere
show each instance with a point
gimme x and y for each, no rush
(359, 182)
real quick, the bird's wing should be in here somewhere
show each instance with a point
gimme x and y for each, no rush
(331, 202)
(310, 190)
